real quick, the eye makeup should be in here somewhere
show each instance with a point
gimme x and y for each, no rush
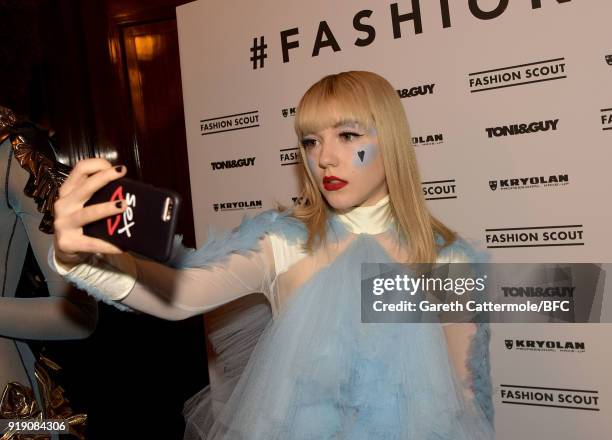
(350, 132)
(349, 123)
(308, 142)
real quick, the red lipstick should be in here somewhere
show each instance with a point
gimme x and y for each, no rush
(333, 183)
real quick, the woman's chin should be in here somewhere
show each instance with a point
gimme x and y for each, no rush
(338, 202)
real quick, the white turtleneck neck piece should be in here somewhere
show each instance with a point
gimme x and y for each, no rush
(374, 219)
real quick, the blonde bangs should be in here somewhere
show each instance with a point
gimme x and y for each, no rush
(332, 101)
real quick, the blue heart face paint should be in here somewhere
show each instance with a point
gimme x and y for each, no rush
(346, 164)
(365, 155)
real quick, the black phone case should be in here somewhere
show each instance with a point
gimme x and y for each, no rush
(141, 227)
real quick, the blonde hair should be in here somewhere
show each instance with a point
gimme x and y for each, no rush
(370, 100)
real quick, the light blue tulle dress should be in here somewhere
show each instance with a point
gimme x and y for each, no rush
(318, 372)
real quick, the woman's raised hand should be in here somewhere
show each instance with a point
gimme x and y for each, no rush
(88, 176)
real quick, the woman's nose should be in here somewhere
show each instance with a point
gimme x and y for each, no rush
(328, 156)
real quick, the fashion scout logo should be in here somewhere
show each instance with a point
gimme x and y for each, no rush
(403, 20)
(524, 128)
(290, 156)
(518, 75)
(534, 236)
(440, 189)
(430, 139)
(606, 118)
(126, 218)
(233, 163)
(238, 206)
(550, 397)
(238, 121)
(288, 112)
(426, 89)
(545, 345)
(529, 182)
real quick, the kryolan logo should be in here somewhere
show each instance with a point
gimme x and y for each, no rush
(235, 206)
(526, 128)
(529, 344)
(288, 112)
(430, 139)
(529, 182)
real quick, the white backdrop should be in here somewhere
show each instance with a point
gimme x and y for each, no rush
(469, 74)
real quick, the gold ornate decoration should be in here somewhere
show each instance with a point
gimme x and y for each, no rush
(46, 177)
(18, 402)
(46, 174)
(7, 120)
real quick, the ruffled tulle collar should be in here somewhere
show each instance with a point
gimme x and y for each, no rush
(374, 219)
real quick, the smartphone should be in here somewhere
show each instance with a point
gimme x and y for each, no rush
(148, 224)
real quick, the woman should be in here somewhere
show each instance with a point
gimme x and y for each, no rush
(317, 371)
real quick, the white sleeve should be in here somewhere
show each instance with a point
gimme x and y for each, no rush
(285, 253)
(171, 293)
(113, 275)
